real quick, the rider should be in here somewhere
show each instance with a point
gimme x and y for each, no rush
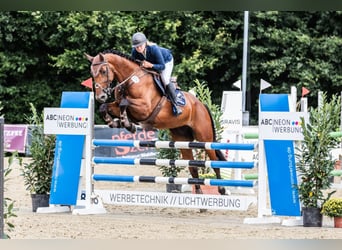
(156, 58)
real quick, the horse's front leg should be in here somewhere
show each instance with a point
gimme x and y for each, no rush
(125, 122)
(107, 112)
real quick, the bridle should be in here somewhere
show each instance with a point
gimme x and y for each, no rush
(108, 90)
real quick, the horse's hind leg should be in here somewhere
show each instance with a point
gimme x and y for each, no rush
(187, 154)
(186, 134)
(204, 131)
(221, 189)
(213, 156)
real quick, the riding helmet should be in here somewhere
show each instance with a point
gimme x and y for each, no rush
(138, 39)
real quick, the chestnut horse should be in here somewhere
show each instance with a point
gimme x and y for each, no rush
(138, 101)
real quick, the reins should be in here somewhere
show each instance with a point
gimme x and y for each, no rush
(129, 77)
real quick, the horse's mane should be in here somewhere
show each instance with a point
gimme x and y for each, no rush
(116, 52)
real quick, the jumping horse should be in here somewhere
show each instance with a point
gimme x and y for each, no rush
(137, 100)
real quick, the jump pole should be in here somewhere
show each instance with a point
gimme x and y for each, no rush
(174, 200)
(171, 200)
(171, 144)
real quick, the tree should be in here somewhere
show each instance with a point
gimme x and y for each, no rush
(42, 53)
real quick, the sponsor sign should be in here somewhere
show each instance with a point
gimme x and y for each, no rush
(66, 121)
(281, 125)
(231, 107)
(69, 147)
(102, 132)
(183, 200)
(279, 152)
(15, 137)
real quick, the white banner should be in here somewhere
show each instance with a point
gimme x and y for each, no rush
(231, 107)
(183, 200)
(281, 125)
(67, 121)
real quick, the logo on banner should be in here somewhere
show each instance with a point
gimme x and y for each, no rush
(282, 125)
(66, 121)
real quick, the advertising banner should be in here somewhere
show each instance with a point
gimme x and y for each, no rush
(68, 153)
(280, 158)
(66, 121)
(104, 132)
(282, 125)
(231, 107)
(15, 137)
(183, 200)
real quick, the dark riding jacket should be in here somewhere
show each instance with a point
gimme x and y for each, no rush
(156, 55)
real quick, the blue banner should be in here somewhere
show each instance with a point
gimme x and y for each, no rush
(68, 156)
(280, 160)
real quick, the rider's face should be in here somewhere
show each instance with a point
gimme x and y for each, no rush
(141, 48)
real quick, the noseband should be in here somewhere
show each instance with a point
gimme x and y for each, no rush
(109, 90)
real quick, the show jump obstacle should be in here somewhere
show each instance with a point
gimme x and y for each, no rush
(65, 187)
(73, 123)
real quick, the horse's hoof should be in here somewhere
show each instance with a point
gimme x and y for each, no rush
(222, 190)
(103, 109)
(122, 124)
(198, 191)
(116, 123)
(113, 123)
(133, 128)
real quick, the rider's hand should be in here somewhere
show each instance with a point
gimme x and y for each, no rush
(147, 64)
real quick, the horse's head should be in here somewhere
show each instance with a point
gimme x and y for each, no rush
(103, 77)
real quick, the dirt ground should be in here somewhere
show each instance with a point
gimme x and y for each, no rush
(138, 222)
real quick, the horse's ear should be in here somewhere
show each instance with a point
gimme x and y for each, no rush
(101, 57)
(90, 58)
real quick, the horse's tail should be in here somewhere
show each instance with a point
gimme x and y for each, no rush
(218, 153)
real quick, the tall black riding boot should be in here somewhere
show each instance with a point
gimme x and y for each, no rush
(171, 90)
